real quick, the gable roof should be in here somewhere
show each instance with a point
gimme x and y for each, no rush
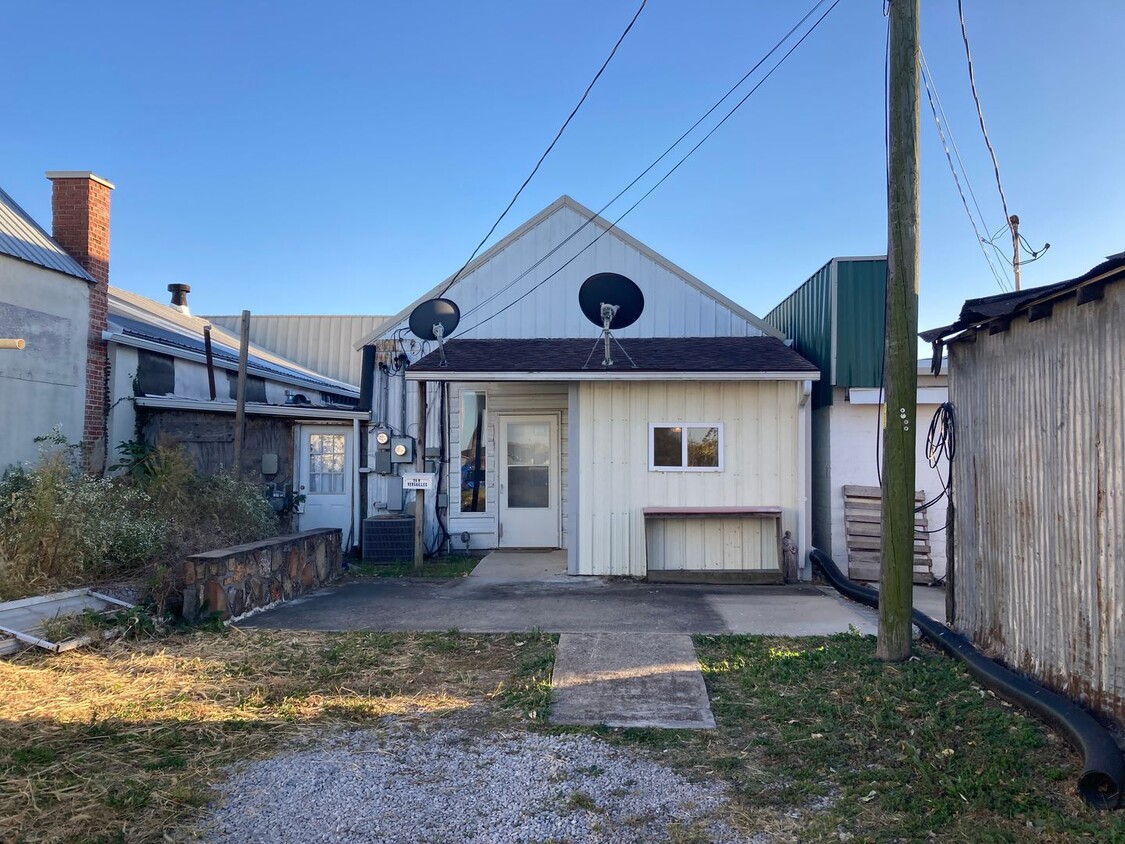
(594, 220)
(139, 321)
(22, 238)
(636, 358)
(976, 313)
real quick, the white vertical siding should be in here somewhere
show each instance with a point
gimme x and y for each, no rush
(1039, 492)
(673, 307)
(761, 461)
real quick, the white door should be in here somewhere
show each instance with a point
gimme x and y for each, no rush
(529, 481)
(325, 477)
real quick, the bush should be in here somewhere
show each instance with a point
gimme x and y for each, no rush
(60, 528)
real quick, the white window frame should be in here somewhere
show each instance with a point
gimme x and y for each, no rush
(684, 426)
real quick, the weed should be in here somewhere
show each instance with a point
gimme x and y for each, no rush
(581, 801)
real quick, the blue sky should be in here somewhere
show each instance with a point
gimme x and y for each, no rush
(345, 157)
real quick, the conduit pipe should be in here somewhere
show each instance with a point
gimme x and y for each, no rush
(1103, 772)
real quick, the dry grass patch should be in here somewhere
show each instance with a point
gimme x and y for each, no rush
(123, 743)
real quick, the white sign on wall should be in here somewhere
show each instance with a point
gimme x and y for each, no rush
(417, 480)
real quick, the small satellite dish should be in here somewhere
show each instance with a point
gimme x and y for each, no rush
(611, 289)
(610, 300)
(435, 319)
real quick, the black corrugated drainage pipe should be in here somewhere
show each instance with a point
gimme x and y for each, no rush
(1103, 772)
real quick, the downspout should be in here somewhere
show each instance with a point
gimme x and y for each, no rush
(366, 398)
(1103, 772)
(804, 469)
(359, 490)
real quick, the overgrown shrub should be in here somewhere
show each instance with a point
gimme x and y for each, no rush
(60, 528)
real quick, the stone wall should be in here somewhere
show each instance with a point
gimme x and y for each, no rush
(233, 581)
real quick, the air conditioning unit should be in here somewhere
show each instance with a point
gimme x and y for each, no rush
(388, 540)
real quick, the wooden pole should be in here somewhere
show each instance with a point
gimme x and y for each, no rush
(420, 494)
(895, 597)
(1014, 222)
(240, 406)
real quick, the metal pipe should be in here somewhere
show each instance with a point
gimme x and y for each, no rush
(1103, 772)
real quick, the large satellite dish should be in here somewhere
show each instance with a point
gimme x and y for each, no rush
(615, 290)
(610, 300)
(435, 319)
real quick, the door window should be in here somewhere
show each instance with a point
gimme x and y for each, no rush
(529, 465)
(326, 463)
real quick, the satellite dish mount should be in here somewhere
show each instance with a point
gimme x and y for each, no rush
(435, 319)
(610, 300)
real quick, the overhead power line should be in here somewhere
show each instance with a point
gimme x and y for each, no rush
(550, 146)
(935, 107)
(649, 168)
(675, 167)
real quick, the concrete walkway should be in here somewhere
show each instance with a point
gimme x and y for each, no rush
(624, 680)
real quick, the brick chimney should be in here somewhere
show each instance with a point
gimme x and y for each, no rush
(80, 208)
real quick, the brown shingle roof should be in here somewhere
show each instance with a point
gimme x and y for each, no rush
(660, 354)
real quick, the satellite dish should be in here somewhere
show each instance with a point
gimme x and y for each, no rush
(435, 319)
(615, 290)
(610, 300)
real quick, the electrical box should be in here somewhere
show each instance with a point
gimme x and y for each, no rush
(269, 464)
(402, 449)
(383, 462)
(394, 493)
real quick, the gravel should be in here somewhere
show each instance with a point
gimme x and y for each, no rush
(402, 784)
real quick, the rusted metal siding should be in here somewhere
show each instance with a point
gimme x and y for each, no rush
(1039, 491)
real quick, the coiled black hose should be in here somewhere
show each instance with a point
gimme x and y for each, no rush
(1103, 772)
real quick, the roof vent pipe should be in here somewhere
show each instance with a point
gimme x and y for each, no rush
(179, 297)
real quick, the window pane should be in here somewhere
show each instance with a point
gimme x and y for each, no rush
(529, 486)
(326, 463)
(473, 452)
(529, 443)
(703, 447)
(667, 447)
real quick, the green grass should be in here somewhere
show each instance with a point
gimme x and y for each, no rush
(438, 567)
(820, 741)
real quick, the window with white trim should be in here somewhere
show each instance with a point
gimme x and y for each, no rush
(685, 447)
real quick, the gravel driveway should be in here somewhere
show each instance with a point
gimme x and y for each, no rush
(413, 784)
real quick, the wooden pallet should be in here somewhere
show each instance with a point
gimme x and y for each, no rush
(864, 533)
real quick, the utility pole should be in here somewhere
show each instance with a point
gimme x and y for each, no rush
(1014, 222)
(896, 574)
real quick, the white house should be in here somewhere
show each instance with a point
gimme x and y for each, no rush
(687, 458)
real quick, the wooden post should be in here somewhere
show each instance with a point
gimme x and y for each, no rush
(896, 572)
(420, 494)
(240, 406)
(1014, 222)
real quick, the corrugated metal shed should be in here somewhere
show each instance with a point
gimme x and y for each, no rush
(322, 343)
(21, 237)
(1039, 481)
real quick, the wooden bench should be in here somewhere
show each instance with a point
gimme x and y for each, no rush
(863, 530)
(680, 548)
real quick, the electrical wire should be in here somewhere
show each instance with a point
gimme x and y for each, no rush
(674, 168)
(550, 147)
(931, 94)
(647, 169)
(980, 112)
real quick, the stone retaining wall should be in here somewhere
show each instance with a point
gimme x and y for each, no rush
(233, 581)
